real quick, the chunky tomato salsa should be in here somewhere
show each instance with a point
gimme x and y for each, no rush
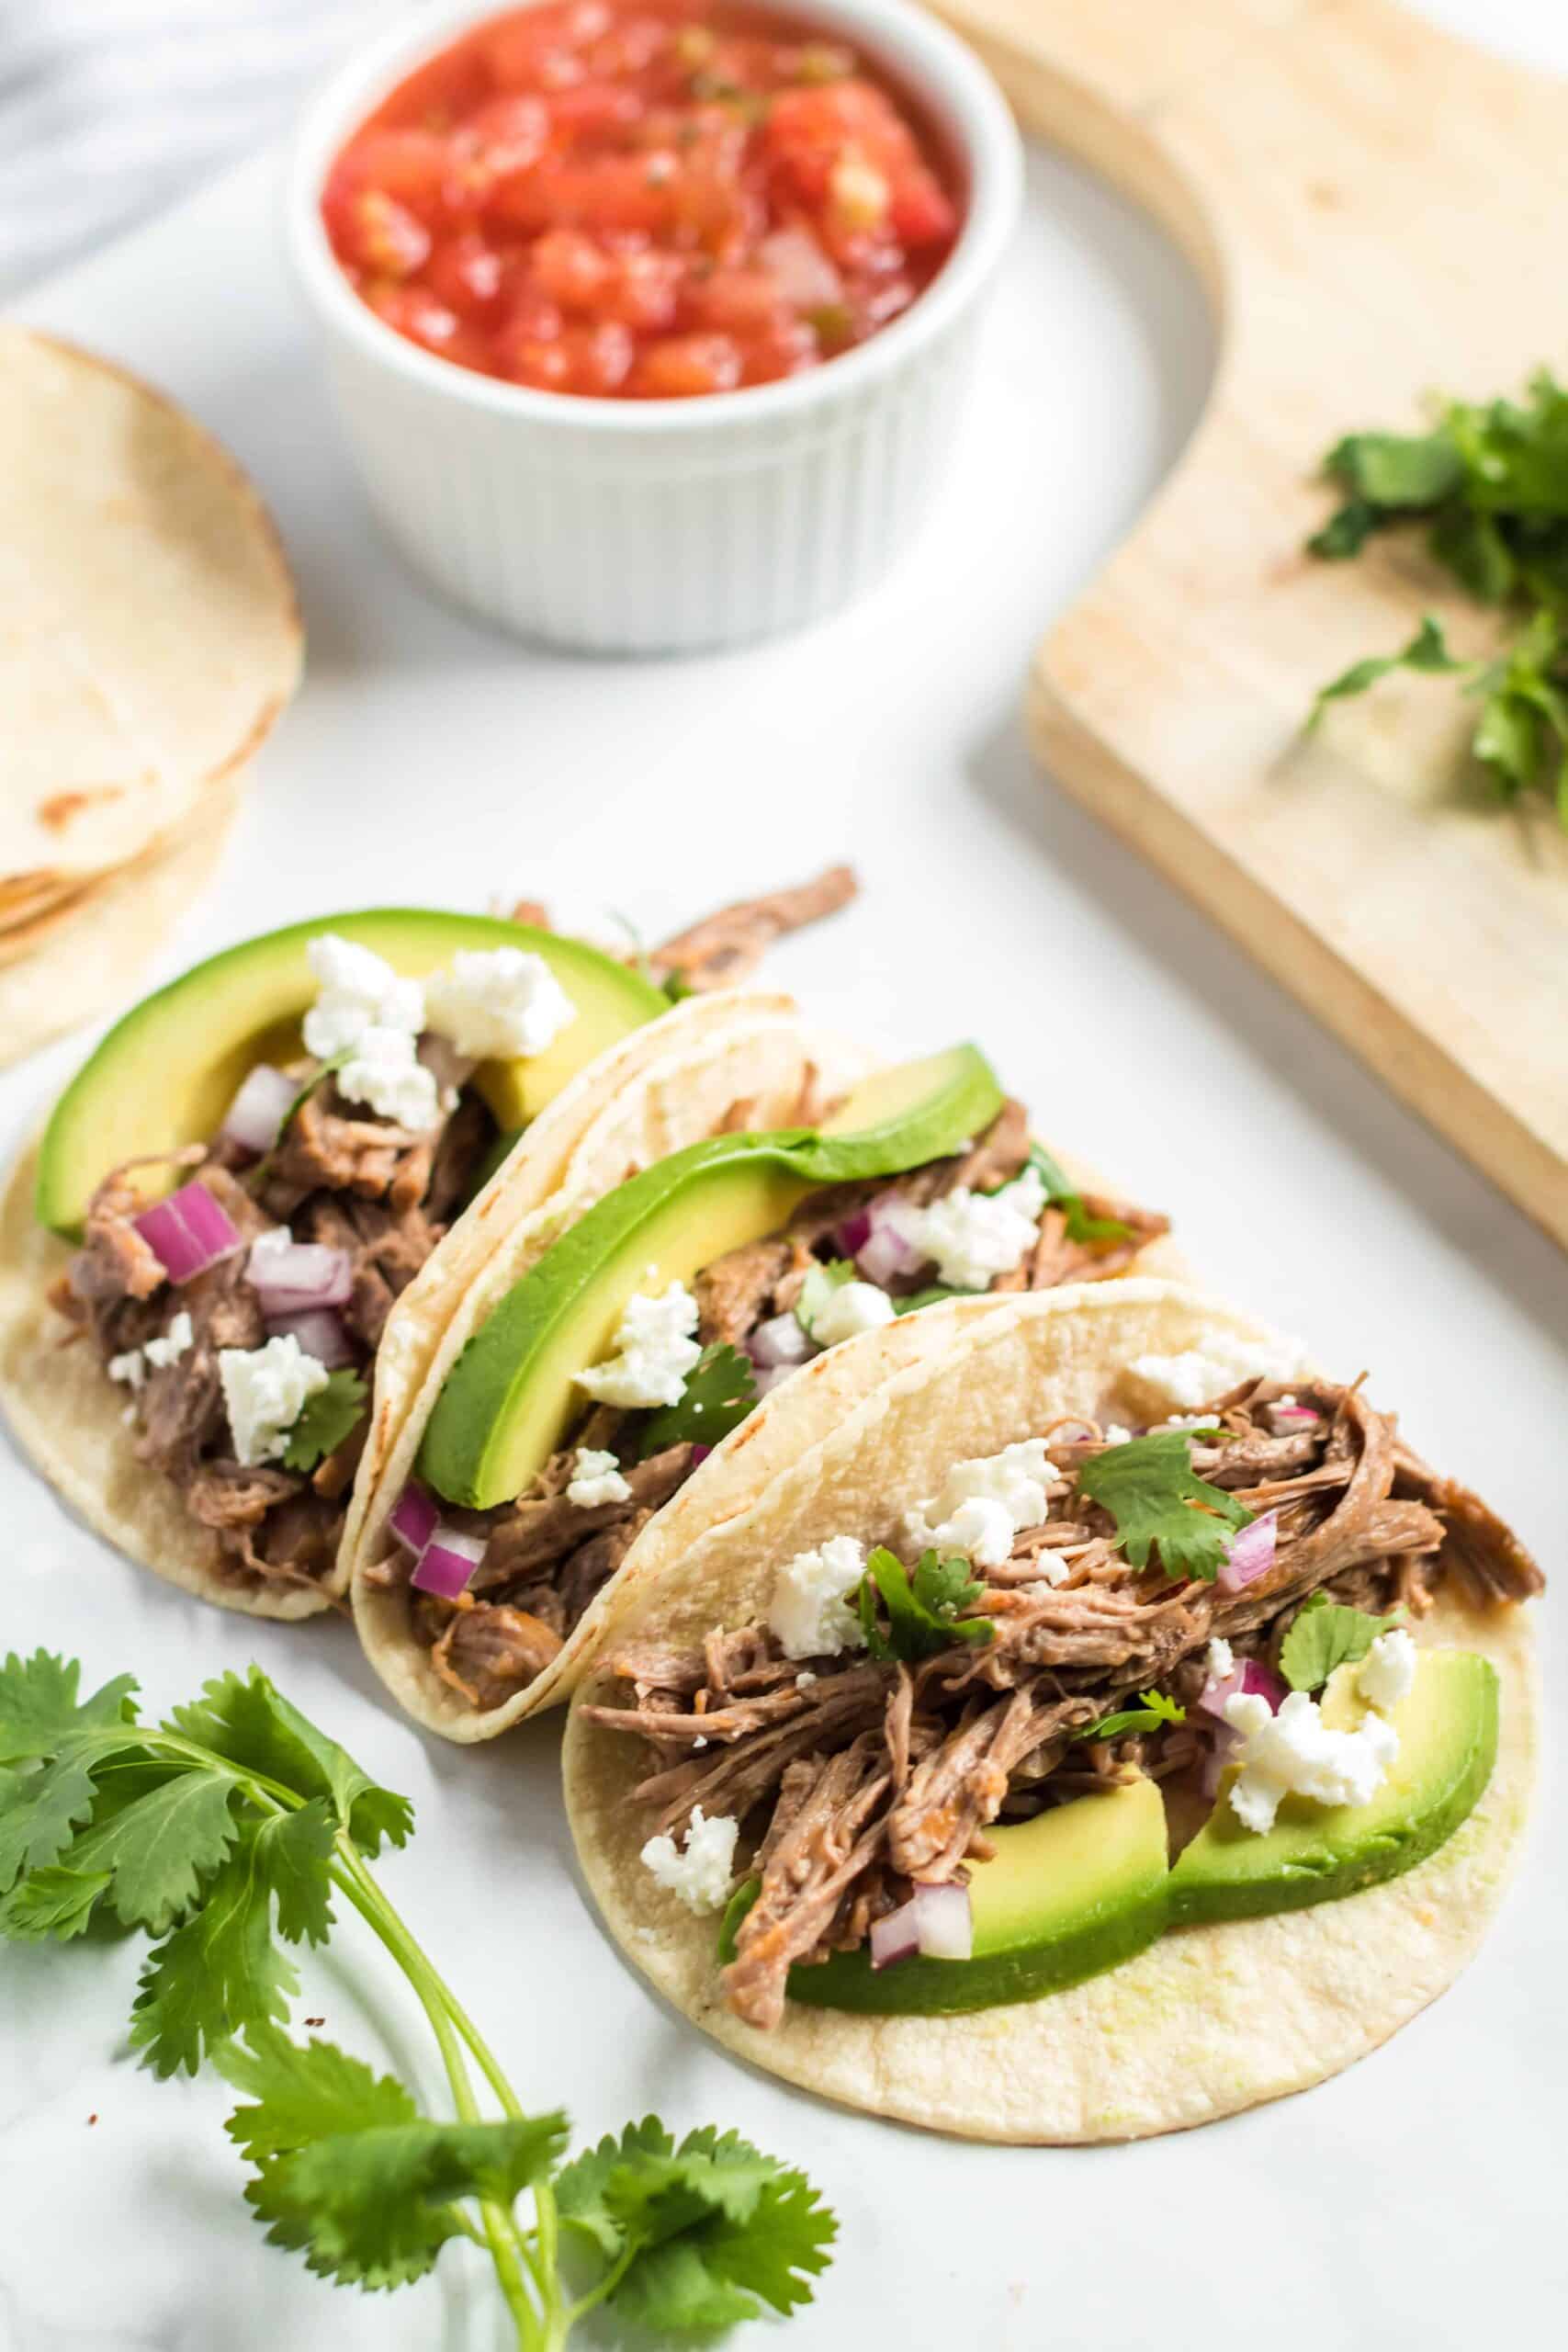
(646, 198)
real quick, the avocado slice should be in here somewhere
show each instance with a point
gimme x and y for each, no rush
(1314, 1853)
(1077, 1890)
(168, 1071)
(509, 1399)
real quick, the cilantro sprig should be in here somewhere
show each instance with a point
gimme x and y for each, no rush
(720, 1391)
(233, 1833)
(1158, 1501)
(1490, 484)
(923, 1610)
(1325, 1634)
(1154, 1709)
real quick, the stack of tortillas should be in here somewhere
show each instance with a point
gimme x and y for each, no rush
(149, 637)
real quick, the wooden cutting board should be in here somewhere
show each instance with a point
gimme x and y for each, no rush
(1375, 211)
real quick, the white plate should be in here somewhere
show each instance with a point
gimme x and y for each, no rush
(1412, 2204)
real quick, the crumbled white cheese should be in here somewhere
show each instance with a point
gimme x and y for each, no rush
(264, 1391)
(853, 1307)
(971, 1237)
(701, 1876)
(1189, 1420)
(358, 991)
(1387, 1673)
(174, 1343)
(655, 1350)
(1116, 1435)
(386, 1073)
(1294, 1753)
(810, 1612)
(804, 1680)
(596, 1478)
(1199, 1375)
(498, 1001)
(984, 1503)
(128, 1367)
(1222, 1658)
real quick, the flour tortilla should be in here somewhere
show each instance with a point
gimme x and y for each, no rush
(1208, 2020)
(65, 1413)
(729, 1482)
(149, 634)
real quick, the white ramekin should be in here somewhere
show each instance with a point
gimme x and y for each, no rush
(632, 527)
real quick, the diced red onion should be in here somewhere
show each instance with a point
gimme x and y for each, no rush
(1277, 1413)
(188, 1232)
(700, 1453)
(1251, 1553)
(321, 1331)
(936, 1921)
(413, 1517)
(1246, 1675)
(781, 1339)
(800, 269)
(884, 1254)
(1220, 1752)
(256, 1112)
(290, 1276)
(854, 1233)
(448, 1562)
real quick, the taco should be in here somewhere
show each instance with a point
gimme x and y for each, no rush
(261, 1196)
(1034, 1761)
(558, 1455)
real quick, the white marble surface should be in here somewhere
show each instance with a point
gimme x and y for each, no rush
(1411, 2203)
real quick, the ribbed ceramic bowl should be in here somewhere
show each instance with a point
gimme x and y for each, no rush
(637, 526)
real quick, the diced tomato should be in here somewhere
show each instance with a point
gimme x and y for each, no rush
(468, 274)
(648, 198)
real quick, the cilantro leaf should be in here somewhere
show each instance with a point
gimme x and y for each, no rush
(932, 1296)
(39, 1705)
(1155, 1496)
(922, 1610)
(159, 1849)
(326, 1420)
(1427, 651)
(721, 1392)
(1397, 470)
(51, 1903)
(41, 1811)
(246, 1720)
(217, 1974)
(1156, 1709)
(1325, 1636)
(293, 1850)
(350, 2174)
(818, 1288)
(712, 2226)
(1061, 1193)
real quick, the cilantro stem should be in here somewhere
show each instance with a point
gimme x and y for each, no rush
(509, 2249)
(606, 2287)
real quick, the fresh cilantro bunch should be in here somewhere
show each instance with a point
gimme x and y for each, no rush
(1323, 1635)
(924, 1612)
(232, 1833)
(1490, 483)
(720, 1390)
(1156, 1498)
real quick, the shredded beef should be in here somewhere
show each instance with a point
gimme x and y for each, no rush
(858, 1777)
(721, 950)
(351, 1182)
(489, 1652)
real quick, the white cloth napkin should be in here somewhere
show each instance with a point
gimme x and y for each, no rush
(111, 108)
